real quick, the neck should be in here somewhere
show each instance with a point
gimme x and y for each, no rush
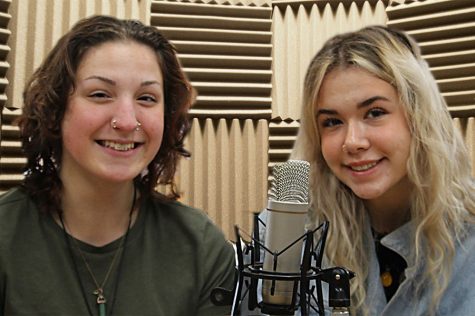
(95, 214)
(384, 222)
(391, 210)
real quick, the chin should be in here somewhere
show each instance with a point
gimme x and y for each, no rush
(368, 195)
(118, 179)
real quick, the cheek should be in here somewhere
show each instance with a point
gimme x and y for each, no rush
(155, 130)
(329, 151)
(404, 153)
(67, 129)
(158, 136)
(78, 119)
(394, 146)
(72, 141)
(152, 119)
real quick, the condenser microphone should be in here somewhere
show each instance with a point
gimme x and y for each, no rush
(287, 213)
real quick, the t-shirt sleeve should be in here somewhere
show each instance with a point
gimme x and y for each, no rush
(218, 267)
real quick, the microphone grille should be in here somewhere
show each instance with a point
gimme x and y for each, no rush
(290, 182)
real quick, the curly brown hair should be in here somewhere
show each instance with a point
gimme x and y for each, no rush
(46, 98)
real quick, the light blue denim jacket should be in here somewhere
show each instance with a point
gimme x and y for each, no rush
(457, 300)
(459, 297)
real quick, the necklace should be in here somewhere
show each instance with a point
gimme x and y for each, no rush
(391, 266)
(99, 291)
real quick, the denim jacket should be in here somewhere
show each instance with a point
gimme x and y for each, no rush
(459, 297)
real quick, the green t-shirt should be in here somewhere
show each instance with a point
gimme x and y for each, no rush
(174, 256)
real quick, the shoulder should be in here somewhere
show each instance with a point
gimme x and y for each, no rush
(466, 243)
(191, 229)
(458, 298)
(14, 204)
(463, 267)
(178, 217)
(13, 196)
(17, 213)
(178, 211)
(17, 216)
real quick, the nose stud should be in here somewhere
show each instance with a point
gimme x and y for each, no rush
(343, 148)
(138, 125)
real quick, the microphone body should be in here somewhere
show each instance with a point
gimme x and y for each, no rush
(285, 223)
(287, 213)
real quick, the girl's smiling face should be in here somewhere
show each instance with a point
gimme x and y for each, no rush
(120, 81)
(365, 138)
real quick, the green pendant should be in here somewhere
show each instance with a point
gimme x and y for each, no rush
(102, 309)
(101, 301)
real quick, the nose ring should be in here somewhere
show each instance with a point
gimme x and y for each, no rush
(343, 148)
(114, 125)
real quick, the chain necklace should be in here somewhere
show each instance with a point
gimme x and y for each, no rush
(99, 291)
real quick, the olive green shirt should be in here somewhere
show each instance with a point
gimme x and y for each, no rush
(173, 257)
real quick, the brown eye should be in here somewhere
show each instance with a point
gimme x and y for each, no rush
(331, 122)
(376, 112)
(148, 98)
(99, 95)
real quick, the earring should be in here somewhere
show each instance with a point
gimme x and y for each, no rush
(114, 124)
(137, 126)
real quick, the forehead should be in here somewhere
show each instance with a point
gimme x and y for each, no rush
(113, 49)
(120, 59)
(352, 85)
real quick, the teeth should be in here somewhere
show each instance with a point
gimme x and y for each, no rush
(119, 146)
(363, 167)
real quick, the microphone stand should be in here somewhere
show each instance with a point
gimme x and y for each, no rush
(249, 274)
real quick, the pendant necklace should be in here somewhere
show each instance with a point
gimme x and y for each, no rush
(391, 265)
(99, 291)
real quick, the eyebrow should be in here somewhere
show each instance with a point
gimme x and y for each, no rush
(113, 83)
(371, 100)
(360, 105)
(150, 82)
(106, 80)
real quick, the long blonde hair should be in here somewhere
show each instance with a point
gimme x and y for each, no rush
(438, 163)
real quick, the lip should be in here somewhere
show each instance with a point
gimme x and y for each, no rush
(119, 146)
(363, 166)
